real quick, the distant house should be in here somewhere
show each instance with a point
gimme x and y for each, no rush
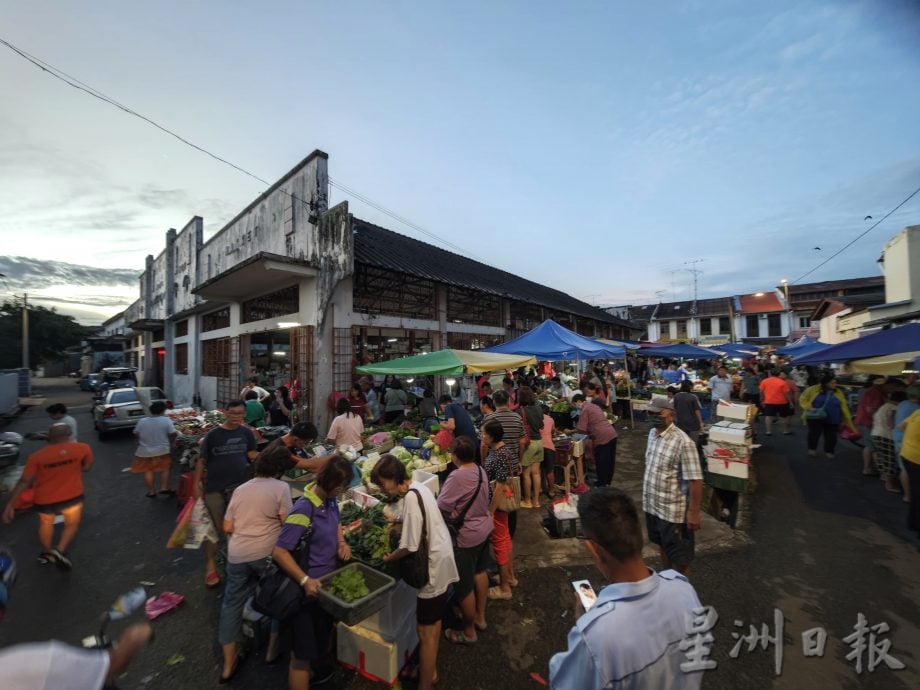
(706, 321)
(805, 298)
(842, 318)
(760, 318)
(900, 262)
(636, 315)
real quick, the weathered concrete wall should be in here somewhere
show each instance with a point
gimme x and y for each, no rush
(185, 253)
(279, 222)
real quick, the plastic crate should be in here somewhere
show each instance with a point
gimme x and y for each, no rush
(351, 613)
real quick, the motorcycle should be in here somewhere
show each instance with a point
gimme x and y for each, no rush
(10, 443)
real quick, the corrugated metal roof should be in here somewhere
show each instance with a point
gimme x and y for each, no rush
(377, 246)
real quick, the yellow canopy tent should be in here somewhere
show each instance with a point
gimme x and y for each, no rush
(888, 365)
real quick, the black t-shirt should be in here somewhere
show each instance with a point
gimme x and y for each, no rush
(224, 452)
(463, 423)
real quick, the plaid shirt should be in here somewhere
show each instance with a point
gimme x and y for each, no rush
(671, 461)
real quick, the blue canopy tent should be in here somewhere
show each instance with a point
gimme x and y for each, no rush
(684, 350)
(802, 346)
(737, 350)
(888, 342)
(551, 342)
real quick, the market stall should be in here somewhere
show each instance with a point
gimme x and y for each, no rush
(893, 341)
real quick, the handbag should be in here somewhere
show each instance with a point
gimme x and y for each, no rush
(455, 524)
(509, 498)
(413, 569)
(277, 594)
(819, 414)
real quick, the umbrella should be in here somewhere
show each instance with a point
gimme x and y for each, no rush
(448, 363)
(888, 342)
(551, 342)
(888, 365)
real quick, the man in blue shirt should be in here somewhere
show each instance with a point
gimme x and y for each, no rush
(631, 635)
(458, 419)
(672, 374)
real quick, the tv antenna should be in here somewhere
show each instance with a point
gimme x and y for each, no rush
(696, 274)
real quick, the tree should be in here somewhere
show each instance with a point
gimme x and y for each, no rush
(50, 334)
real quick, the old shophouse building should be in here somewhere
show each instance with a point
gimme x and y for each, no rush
(299, 294)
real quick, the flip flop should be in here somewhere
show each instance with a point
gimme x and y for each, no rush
(481, 628)
(150, 495)
(167, 492)
(223, 680)
(458, 637)
(497, 593)
(212, 579)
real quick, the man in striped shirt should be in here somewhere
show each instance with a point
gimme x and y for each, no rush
(672, 488)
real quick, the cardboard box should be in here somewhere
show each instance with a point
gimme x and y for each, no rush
(730, 432)
(731, 451)
(738, 411)
(399, 607)
(372, 656)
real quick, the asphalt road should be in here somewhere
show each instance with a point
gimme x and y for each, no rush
(825, 545)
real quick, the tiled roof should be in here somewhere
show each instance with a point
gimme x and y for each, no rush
(759, 303)
(377, 246)
(833, 285)
(674, 310)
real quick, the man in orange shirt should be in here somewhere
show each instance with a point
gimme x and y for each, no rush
(774, 394)
(56, 474)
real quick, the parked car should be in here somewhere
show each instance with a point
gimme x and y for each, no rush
(120, 408)
(89, 383)
(116, 377)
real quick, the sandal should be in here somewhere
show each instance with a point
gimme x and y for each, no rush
(498, 593)
(150, 495)
(458, 637)
(481, 628)
(212, 579)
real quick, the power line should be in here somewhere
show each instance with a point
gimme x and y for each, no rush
(858, 237)
(95, 93)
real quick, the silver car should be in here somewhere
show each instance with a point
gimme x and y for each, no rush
(120, 408)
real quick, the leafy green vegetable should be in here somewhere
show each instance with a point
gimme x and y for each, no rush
(349, 586)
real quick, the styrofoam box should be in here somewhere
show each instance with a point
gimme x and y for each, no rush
(729, 432)
(738, 451)
(428, 479)
(361, 497)
(400, 605)
(728, 467)
(372, 656)
(739, 411)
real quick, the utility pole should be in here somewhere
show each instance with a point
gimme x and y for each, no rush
(25, 330)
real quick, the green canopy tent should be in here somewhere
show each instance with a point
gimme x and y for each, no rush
(448, 363)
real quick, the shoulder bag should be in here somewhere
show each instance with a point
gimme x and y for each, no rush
(819, 414)
(413, 569)
(509, 497)
(455, 524)
(277, 594)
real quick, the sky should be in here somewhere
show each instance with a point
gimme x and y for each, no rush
(596, 147)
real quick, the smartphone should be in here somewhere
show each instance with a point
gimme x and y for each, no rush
(585, 593)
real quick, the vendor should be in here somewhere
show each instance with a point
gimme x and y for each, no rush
(458, 420)
(559, 389)
(672, 374)
(593, 422)
(347, 428)
(428, 410)
(300, 436)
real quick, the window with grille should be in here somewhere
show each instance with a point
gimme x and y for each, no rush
(271, 306)
(752, 325)
(724, 325)
(214, 357)
(774, 325)
(181, 356)
(705, 326)
(215, 320)
(182, 328)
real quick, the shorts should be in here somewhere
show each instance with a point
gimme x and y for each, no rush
(777, 410)
(470, 560)
(549, 460)
(866, 432)
(675, 539)
(309, 632)
(56, 508)
(430, 611)
(216, 503)
(533, 454)
(157, 463)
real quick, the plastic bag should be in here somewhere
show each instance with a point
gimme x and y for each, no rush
(848, 434)
(180, 533)
(162, 603)
(200, 526)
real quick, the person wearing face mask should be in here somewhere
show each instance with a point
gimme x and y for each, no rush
(672, 488)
